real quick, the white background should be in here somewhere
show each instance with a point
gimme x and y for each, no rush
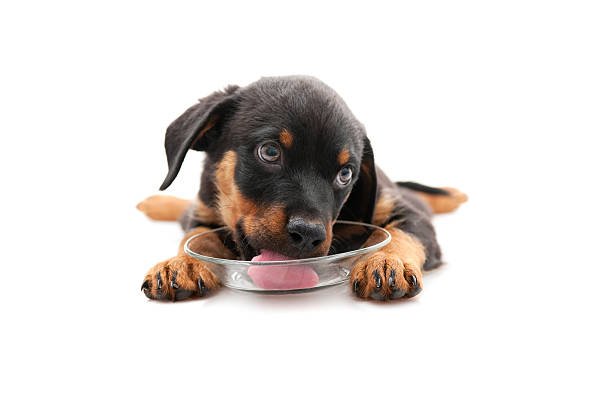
(508, 101)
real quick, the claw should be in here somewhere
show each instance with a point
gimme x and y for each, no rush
(146, 288)
(356, 288)
(378, 279)
(415, 287)
(159, 280)
(201, 287)
(173, 282)
(392, 278)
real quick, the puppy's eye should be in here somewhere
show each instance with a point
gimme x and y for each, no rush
(344, 176)
(269, 152)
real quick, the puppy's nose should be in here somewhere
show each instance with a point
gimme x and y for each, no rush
(304, 235)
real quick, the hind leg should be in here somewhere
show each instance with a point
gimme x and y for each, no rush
(163, 207)
(444, 203)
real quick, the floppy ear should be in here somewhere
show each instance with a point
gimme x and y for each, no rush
(196, 129)
(360, 204)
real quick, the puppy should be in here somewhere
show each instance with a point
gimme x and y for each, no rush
(285, 159)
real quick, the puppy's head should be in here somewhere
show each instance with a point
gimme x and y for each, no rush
(285, 159)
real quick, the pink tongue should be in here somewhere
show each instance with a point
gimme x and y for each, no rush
(281, 277)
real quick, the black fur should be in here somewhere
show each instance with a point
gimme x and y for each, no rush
(411, 185)
(304, 180)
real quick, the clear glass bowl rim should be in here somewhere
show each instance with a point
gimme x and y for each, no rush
(327, 258)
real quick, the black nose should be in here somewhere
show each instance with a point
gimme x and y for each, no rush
(304, 235)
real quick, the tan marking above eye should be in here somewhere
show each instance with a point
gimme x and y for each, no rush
(286, 138)
(343, 157)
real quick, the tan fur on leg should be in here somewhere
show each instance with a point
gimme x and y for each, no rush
(182, 276)
(392, 272)
(163, 207)
(444, 203)
(209, 244)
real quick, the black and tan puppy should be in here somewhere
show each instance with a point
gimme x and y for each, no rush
(285, 159)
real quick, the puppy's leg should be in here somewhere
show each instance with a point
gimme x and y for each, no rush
(440, 200)
(182, 276)
(163, 207)
(392, 272)
(396, 270)
(441, 204)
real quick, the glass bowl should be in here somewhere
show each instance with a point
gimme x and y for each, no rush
(351, 243)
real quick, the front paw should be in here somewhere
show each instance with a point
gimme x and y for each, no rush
(178, 278)
(386, 276)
